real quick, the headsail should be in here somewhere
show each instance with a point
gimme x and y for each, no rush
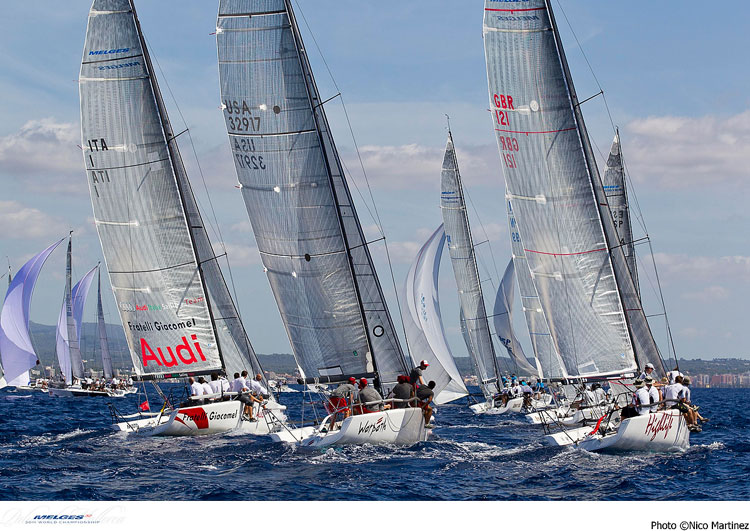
(175, 308)
(551, 182)
(463, 259)
(298, 201)
(16, 348)
(102, 331)
(424, 324)
(503, 318)
(548, 361)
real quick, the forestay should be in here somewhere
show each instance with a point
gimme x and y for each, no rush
(299, 204)
(175, 308)
(463, 259)
(424, 324)
(16, 349)
(548, 360)
(550, 182)
(503, 318)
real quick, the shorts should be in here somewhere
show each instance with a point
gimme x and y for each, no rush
(681, 407)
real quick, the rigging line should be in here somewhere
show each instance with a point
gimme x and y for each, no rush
(364, 173)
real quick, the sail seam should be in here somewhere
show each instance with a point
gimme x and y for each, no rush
(112, 59)
(129, 165)
(261, 135)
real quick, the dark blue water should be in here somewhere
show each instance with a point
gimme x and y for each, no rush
(62, 449)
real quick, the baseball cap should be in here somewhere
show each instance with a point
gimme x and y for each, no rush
(352, 380)
(424, 363)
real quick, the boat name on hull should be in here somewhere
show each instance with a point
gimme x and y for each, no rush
(657, 424)
(371, 428)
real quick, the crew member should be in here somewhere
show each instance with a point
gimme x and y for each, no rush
(402, 391)
(416, 374)
(370, 396)
(337, 402)
(425, 394)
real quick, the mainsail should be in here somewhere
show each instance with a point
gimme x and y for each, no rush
(594, 315)
(547, 359)
(424, 323)
(463, 259)
(16, 348)
(175, 307)
(503, 319)
(102, 330)
(300, 207)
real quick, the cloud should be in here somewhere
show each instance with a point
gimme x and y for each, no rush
(417, 167)
(708, 294)
(239, 255)
(45, 154)
(678, 152)
(704, 269)
(22, 222)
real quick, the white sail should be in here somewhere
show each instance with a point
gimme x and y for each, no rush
(16, 349)
(424, 324)
(174, 305)
(552, 184)
(463, 259)
(102, 331)
(503, 319)
(549, 363)
(310, 239)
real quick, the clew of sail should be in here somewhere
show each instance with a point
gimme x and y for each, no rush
(16, 349)
(463, 258)
(424, 323)
(503, 319)
(175, 308)
(306, 227)
(552, 186)
(549, 363)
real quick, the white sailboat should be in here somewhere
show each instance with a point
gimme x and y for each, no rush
(16, 349)
(579, 269)
(424, 324)
(178, 316)
(310, 239)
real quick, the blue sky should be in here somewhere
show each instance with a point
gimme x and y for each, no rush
(675, 80)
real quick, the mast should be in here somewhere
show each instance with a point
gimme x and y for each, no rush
(176, 160)
(102, 329)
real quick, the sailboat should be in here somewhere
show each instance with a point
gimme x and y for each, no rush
(474, 321)
(178, 316)
(424, 323)
(16, 349)
(579, 269)
(310, 239)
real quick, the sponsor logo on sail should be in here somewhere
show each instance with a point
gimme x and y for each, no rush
(107, 52)
(183, 353)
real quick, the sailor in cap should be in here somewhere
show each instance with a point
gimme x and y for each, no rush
(416, 374)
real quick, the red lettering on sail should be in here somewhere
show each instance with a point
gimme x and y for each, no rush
(184, 347)
(151, 356)
(171, 355)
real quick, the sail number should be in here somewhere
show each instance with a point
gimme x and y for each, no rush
(244, 119)
(504, 102)
(251, 162)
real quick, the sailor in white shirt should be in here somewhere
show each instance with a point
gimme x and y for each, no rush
(257, 387)
(196, 389)
(641, 398)
(238, 384)
(653, 393)
(672, 375)
(215, 384)
(206, 388)
(588, 397)
(599, 393)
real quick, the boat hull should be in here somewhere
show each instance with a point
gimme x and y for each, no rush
(208, 419)
(75, 392)
(514, 405)
(401, 427)
(663, 431)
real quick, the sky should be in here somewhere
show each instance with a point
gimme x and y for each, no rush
(674, 79)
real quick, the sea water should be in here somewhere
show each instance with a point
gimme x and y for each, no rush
(63, 449)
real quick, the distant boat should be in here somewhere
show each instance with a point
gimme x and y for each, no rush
(310, 238)
(178, 316)
(579, 269)
(16, 348)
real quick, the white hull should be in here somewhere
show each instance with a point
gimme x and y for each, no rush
(69, 392)
(208, 419)
(514, 405)
(663, 431)
(566, 416)
(403, 426)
